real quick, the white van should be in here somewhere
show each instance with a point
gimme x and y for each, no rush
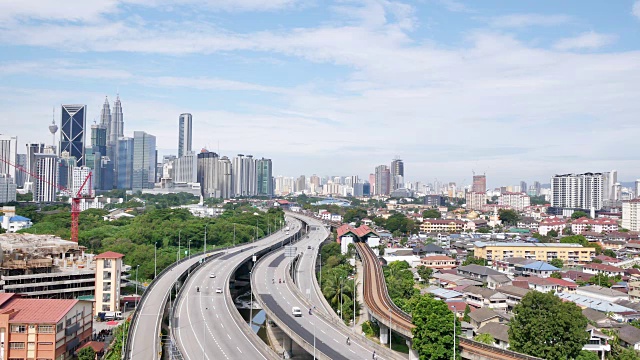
(296, 311)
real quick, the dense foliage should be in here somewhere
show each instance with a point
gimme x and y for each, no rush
(400, 285)
(508, 216)
(166, 228)
(86, 353)
(433, 336)
(431, 214)
(546, 327)
(336, 281)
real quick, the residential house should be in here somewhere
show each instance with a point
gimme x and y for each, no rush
(598, 342)
(600, 319)
(511, 266)
(495, 281)
(12, 223)
(539, 284)
(336, 218)
(514, 295)
(608, 270)
(442, 225)
(499, 332)
(528, 223)
(629, 337)
(428, 250)
(563, 285)
(578, 226)
(480, 317)
(551, 223)
(477, 272)
(438, 262)
(607, 260)
(482, 297)
(539, 268)
(457, 307)
(449, 281)
(576, 275)
(601, 293)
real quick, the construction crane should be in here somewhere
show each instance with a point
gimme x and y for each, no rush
(75, 200)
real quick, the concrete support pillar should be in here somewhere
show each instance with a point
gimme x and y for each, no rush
(413, 354)
(287, 345)
(384, 333)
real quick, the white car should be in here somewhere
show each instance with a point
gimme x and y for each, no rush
(212, 275)
(296, 311)
(219, 290)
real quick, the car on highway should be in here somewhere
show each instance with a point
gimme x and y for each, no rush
(296, 311)
(219, 290)
(212, 275)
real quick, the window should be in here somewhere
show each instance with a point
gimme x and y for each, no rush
(45, 329)
(107, 263)
(16, 345)
(45, 343)
(59, 327)
(106, 275)
(18, 329)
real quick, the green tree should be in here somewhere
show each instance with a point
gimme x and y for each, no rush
(86, 353)
(557, 263)
(575, 239)
(629, 354)
(610, 253)
(546, 327)
(431, 214)
(579, 214)
(466, 316)
(596, 261)
(485, 338)
(587, 355)
(425, 272)
(473, 260)
(433, 336)
(556, 275)
(508, 216)
(552, 233)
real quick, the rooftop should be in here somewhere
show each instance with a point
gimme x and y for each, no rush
(497, 330)
(35, 311)
(109, 255)
(483, 314)
(540, 266)
(516, 244)
(596, 304)
(601, 290)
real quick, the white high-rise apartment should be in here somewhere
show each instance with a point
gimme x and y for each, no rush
(80, 173)
(631, 215)
(185, 168)
(46, 168)
(8, 152)
(637, 189)
(184, 134)
(583, 191)
(7, 189)
(516, 200)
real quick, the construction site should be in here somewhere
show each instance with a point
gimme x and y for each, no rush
(45, 266)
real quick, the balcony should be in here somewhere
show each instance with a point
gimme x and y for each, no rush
(72, 329)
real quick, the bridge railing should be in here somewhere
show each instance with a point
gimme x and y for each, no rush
(496, 352)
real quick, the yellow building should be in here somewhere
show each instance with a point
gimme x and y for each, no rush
(569, 253)
(108, 272)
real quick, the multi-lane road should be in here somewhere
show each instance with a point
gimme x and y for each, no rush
(206, 326)
(329, 338)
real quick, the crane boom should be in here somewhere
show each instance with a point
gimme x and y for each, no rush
(75, 200)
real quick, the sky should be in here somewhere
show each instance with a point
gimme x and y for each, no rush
(519, 90)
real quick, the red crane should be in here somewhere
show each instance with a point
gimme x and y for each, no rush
(75, 200)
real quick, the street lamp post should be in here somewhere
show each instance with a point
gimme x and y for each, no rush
(250, 303)
(205, 239)
(155, 260)
(179, 234)
(234, 234)
(137, 267)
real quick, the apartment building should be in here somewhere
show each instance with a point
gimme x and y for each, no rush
(569, 253)
(438, 262)
(476, 200)
(43, 328)
(442, 225)
(631, 214)
(551, 223)
(516, 200)
(582, 191)
(108, 272)
(600, 225)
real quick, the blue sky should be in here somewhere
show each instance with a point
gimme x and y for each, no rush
(517, 89)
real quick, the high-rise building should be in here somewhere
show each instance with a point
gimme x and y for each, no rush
(185, 168)
(45, 186)
(382, 180)
(631, 214)
(582, 191)
(7, 189)
(8, 152)
(72, 131)
(117, 121)
(184, 134)
(21, 160)
(264, 171)
(99, 139)
(108, 277)
(372, 184)
(523, 187)
(80, 173)
(32, 150)
(476, 200)
(124, 165)
(538, 188)
(397, 174)
(65, 170)
(250, 175)
(479, 183)
(225, 185)
(301, 183)
(636, 189)
(208, 173)
(516, 200)
(144, 161)
(105, 122)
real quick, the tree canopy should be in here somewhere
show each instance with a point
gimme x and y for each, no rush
(579, 214)
(508, 216)
(433, 336)
(401, 223)
(431, 214)
(557, 263)
(546, 327)
(86, 353)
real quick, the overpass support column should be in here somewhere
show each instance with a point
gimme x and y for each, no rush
(413, 354)
(287, 345)
(384, 333)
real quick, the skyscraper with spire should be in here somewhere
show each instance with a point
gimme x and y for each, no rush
(105, 116)
(117, 127)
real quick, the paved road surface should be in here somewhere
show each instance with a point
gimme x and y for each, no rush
(206, 328)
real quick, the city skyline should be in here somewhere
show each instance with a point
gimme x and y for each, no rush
(405, 84)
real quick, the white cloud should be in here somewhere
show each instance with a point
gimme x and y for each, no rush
(589, 41)
(635, 10)
(528, 20)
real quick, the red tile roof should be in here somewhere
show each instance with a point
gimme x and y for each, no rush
(599, 221)
(608, 259)
(520, 283)
(603, 267)
(97, 346)
(563, 283)
(109, 255)
(6, 297)
(436, 258)
(38, 311)
(457, 305)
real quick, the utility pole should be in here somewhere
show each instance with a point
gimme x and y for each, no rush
(205, 239)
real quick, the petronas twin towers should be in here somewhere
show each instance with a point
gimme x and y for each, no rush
(114, 124)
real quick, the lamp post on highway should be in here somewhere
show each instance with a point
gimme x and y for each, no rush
(205, 239)
(179, 234)
(234, 234)
(250, 303)
(155, 260)
(137, 279)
